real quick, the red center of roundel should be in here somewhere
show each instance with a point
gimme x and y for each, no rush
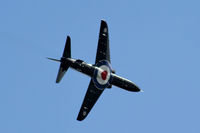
(104, 75)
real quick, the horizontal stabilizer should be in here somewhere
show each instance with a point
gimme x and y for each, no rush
(63, 65)
(67, 49)
(61, 72)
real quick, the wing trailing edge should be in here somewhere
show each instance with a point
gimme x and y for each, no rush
(103, 48)
(92, 95)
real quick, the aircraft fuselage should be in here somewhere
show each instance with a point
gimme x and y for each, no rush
(89, 69)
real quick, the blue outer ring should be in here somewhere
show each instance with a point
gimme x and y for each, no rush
(94, 78)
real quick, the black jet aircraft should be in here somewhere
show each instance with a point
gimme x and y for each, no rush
(101, 73)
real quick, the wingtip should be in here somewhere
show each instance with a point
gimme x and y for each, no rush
(103, 22)
(68, 37)
(80, 118)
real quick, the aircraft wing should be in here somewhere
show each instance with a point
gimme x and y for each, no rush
(103, 50)
(90, 99)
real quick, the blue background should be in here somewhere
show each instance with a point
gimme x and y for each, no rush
(153, 43)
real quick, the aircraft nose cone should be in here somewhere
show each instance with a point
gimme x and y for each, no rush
(137, 89)
(133, 87)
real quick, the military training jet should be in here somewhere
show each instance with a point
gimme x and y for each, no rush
(101, 73)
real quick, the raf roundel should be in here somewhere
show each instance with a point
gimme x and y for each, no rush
(102, 75)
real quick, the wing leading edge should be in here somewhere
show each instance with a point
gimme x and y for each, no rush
(103, 50)
(90, 99)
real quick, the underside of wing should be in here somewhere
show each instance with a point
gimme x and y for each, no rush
(90, 99)
(103, 50)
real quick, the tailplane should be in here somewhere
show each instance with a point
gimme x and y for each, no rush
(63, 64)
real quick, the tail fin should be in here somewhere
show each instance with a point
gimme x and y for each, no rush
(63, 65)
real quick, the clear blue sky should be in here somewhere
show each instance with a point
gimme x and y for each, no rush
(154, 43)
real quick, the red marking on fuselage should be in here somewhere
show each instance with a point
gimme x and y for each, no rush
(104, 75)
